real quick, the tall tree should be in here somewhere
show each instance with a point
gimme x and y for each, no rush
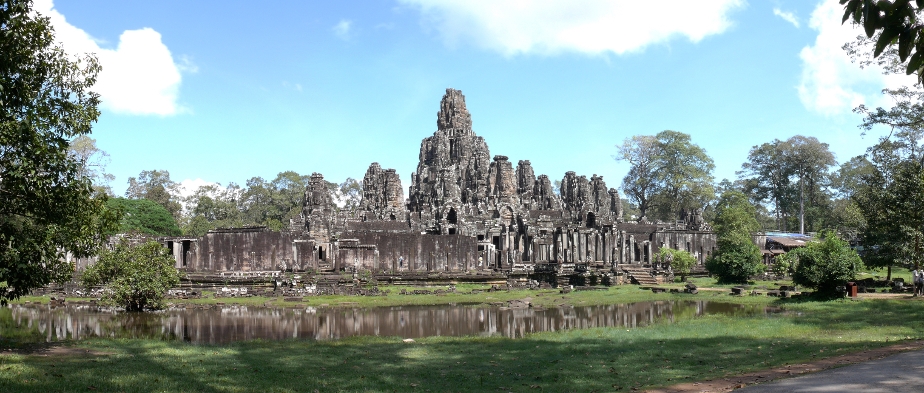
(891, 203)
(640, 152)
(156, 186)
(273, 203)
(213, 206)
(684, 174)
(736, 257)
(48, 206)
(810, 161)
(790, 174)
(668, 174)
(767, 177)
(93, 162)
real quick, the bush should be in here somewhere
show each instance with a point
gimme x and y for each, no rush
(134, 276)
(825, 264)
(680, 261)
(736, 259)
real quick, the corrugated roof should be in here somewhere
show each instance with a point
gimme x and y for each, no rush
(786, 241)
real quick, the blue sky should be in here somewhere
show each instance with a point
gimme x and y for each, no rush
(224, 91)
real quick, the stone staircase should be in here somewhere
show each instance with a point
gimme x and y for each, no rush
(639, 275)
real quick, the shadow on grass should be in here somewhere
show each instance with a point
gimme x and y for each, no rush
(602, 359)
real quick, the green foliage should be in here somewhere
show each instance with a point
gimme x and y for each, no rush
(736, 257)
(144, 216)
(93, 162)
(792, 176)
(156, 186)
(891, 25)
(273, 203)
(668, 174)
(680, 261)
(893, 208)
(47, 203)
(825, 264)
(213, 206)
(135, 277)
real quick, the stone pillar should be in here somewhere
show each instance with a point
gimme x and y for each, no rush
(631, 248)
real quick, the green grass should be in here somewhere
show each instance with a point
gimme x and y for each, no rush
(602, 359)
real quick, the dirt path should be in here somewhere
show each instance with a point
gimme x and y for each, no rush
(739, 381)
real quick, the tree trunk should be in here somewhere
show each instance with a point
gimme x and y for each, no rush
(801, 205)
(889, 273)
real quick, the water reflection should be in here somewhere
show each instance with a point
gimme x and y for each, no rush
(223, 324)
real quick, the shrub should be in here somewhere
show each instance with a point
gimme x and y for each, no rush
(680, 261)
(825, 264)
(134, 276)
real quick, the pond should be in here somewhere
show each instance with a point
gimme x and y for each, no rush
(229, 323)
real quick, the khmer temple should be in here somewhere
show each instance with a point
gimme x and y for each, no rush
(466, 213)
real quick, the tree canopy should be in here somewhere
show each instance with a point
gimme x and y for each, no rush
(143, 216)
(156, 186)
(49, 207)
(668, 174)
(736, 257)
(893, 24)
(793, 176)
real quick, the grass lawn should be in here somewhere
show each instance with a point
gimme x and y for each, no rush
(603, 359)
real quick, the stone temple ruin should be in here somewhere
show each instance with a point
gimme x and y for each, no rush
(467, 214)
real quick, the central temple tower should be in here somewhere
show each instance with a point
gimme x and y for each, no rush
(454, 162)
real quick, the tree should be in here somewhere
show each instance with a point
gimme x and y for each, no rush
(213, 206)
(349, 194)
(156, 186)
(273, 203)
(640, 152)
(809, 160)
(669, 174)
(894, 212)
(48, 206)
(681, 262)
(143, 216)
(135, 277)
(93, 162)
(736, 257)
(791, 172)
(824, 264)
(767, 177)
(891, 24)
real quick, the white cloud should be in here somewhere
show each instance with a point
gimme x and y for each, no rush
(190, 186)
(343, 29)
(139, 76)
(831, 83)
(293, 86)
(593, 27)
(787, 16)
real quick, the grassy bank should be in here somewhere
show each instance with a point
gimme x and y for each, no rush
(620, 294)
(604, 359)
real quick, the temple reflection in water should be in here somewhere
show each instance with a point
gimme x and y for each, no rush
(223, 324)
